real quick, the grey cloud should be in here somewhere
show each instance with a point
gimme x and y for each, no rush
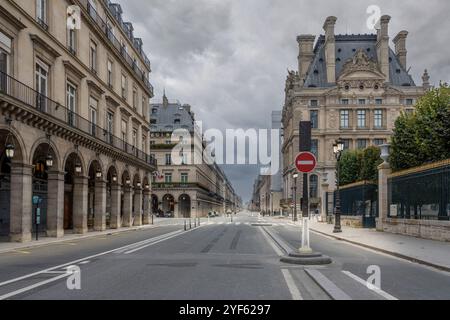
(228, 58)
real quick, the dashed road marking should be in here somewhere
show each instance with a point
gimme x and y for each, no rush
(295, 293)
(380, 292)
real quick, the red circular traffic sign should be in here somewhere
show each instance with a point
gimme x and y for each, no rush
(306, 162)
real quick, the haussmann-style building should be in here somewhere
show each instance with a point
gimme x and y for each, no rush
(187, 189)
(74, 120)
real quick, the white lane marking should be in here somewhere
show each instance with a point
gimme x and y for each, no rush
(272, 243)
(34, 286)
(85, 262)
(238, 223)
(295, 293)
(67, 264)
(380, 292)
(155, 242)
(327, 285)
(141, 243)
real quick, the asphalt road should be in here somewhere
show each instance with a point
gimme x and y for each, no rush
(221, 260)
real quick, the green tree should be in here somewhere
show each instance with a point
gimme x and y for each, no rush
(350, 166)
(424, 136)
(369, 164)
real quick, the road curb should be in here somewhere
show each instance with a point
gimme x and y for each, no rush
(395, 254)
(32, 245)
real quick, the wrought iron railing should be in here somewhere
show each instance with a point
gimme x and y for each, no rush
(16, 89)
(359, 200)
(421, 195)
(93, 14)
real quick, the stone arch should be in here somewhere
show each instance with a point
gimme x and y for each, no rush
(20, 150)
(52, 149)
(184, 206)
(168, 203)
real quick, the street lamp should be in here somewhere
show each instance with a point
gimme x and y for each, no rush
(338, 148)
(295, 176)
(271, 202)
(98, 174)
(114, 178)
(10, 148)
(49, 157)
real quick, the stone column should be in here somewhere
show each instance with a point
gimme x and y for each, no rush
(55, 204)
(384, 170)
(127, 207)
(147, 208)
(21, 203)
(100, 206)
(115, 206)
(80, 205)
(137, 207)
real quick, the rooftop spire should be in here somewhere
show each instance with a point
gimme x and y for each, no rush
(165, 100)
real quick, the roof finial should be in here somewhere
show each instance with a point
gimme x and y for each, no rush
(426, 80)
(165, 100)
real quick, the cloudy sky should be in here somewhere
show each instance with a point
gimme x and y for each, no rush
(228, 58)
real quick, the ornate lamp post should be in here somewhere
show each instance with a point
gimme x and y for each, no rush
(10, 148)
(338, 148)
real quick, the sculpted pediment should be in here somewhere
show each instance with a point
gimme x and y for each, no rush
(360, 67)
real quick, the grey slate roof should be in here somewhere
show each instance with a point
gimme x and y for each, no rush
(346, 47)
(165, 117)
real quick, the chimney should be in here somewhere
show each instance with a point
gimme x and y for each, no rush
(426, 80)
(330, 48)
(400, 47)
(306, 54)
(383, 45)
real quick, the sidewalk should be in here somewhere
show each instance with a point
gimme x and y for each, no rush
(17, 246)
(427, 252)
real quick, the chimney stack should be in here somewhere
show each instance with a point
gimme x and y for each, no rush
(330, 48)
(306, 54)
(400, 47)
(383, 45)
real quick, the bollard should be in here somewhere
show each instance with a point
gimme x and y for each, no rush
(190, 224)
(152, 220)
(185, 226)
(199, 222)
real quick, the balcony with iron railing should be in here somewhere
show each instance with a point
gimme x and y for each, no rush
(17, 90)
(96, 19)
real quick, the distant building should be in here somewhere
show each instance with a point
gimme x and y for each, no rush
(351, 87)
(186, 190)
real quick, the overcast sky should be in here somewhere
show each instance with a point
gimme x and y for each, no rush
(228, 58)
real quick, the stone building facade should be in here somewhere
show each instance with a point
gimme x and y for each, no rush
(74, 108)
(185, 189)
(351, 87)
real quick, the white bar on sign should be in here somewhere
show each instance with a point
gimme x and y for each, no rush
(306, 163)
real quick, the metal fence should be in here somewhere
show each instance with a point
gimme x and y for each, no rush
(359, 200)
(29, 96)
(421, 193)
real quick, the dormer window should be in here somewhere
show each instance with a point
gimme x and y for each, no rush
(177, 121)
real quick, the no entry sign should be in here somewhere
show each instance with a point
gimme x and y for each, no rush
(306, 162)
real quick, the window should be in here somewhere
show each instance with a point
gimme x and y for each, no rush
(145, 108)
(168, 159)
(379, 142)
(124, 86)
(345, 119)
(134, 138)
(361, 119)
(409, 102)
(93, 105)
(346, 144)
(409, 111)
(110, 126)
(314, 103)
(314, 119)
(5, 50)
(315, 148)
(135, 98)
(110, 73)
(362, 101)
(378, 118)
(184, 178)
(41, 12)
(362, 143)
(92, 8)
(168, 142)
(124, 131)
(93, 56)
(71, 40)
(71, 98)
(378, 102)
(152, 142)
(345, 101)
(314, 186)
(177, 121)
(168, 178)
(154, 110)
(41, 86)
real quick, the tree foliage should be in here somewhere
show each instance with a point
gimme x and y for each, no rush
(424, 136)
(359, 165)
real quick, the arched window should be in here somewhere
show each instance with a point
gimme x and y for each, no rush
(314, 186)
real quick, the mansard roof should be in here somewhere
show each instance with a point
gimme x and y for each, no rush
(346, 47)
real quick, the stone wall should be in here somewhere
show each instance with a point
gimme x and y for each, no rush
(425, 229)
(348, 221)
